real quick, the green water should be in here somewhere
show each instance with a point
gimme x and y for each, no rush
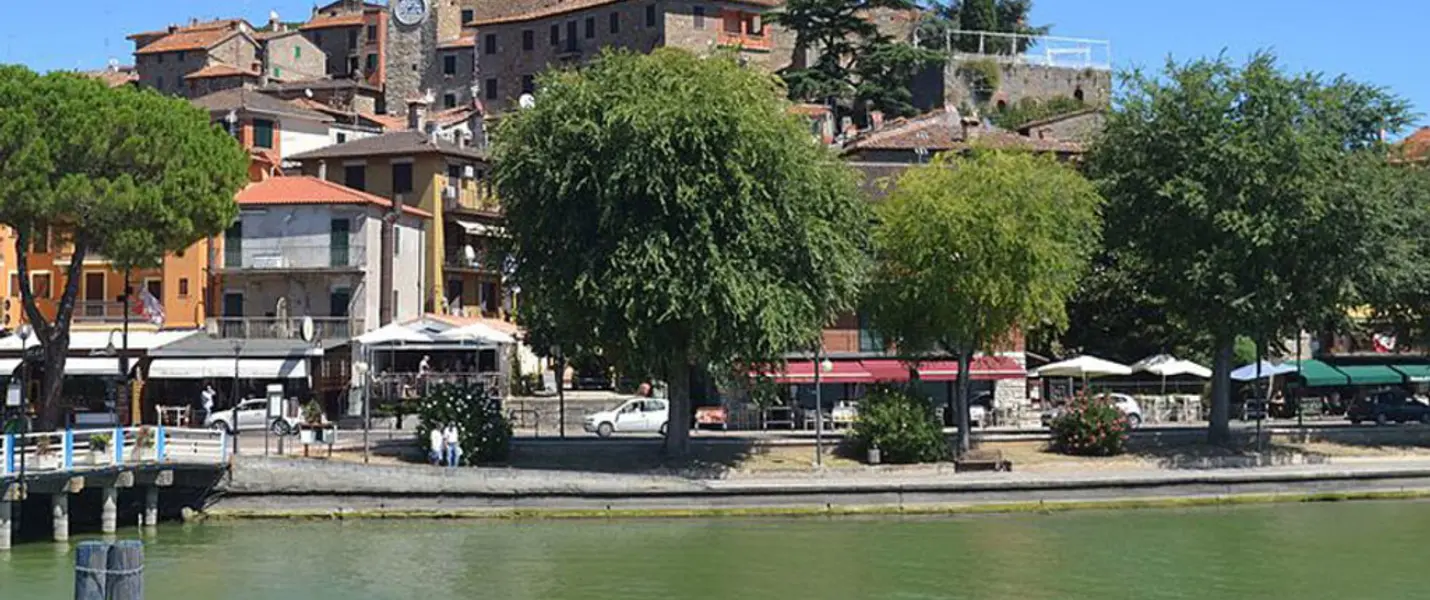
(1349, 550)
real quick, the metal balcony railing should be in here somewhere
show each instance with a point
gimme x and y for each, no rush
(736, 39)
(324, 328)
(103, 312)
(1040, 50)
(287, 256)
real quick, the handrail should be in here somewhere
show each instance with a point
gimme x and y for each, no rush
(51, 451)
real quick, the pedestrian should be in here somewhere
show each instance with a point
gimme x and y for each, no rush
(424, 367)
(207, 401)
(453, 439)
(438, 446)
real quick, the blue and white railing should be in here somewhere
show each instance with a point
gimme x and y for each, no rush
(76, 450)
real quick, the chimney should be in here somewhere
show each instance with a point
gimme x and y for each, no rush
(478, 126)
(416, 113)
(971, 127)
(876, 119)
(323, 170)
(275, 24)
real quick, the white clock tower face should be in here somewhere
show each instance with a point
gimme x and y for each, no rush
(410, 12)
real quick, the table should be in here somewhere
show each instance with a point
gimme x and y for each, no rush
(174, 416)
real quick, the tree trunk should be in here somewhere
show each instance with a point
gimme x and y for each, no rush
(54, 337)
(965, 385)
(677, 437)
(52, 383)
(1219, 430)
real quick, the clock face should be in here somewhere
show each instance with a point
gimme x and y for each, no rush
(410, 12)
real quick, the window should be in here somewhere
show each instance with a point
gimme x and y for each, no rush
(352, 39)
(449, 64)
(555, 35)
(489, 297)
(318, 37)
(277, 71)
(449, 100)
(491, 43)
(402, 178)
(372, 34)
(454, 172)
(615, 23)
(182, 56)
(397, 241)
(14, 285)
(338, 301)
(528, 39)
(395, 303)
(262, 133)
(355, 177)
(40, 240)
(183, 287)
(467, 16)
(869, 340)
(233, 304)
(155, 288)
(650, 16)
(590, 27)
(233, 246)
(528, 84)
(491, 87)
(160, 58)
(40, 284)
(339, 242)
(342, 138)
(297, 52)
(160, 83)
(700, 17)
(371, 63)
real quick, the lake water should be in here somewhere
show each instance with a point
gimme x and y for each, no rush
(1301, 551)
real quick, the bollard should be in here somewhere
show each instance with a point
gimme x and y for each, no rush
(125, 577)
(151, 506)
(91, 560)
(109, 510)
(4, 524)
(60, 516)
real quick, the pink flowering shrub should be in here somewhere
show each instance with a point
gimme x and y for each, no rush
(1090, 426)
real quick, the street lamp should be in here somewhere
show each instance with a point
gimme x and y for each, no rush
(233, 423)
(24, 332)
(110, 349)
(821, 365)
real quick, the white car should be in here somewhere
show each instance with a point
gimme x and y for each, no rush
(252, 416)
(637, 415)
(1123, 402)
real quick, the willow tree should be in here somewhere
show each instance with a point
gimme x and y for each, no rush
(129, 174)
(969, 249)
(669, 211)
(1251, 199)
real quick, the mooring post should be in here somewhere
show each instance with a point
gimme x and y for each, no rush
(60, 515)
(4, 523)
(91, 560)
(125, 579)
(151, 506)
(109, 510)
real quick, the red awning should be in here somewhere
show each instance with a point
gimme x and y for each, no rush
(982, 368)
(886, 369)
(843, 371)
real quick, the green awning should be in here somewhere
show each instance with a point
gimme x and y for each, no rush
(1415, 373)
(1372, 375)
(1314, 373)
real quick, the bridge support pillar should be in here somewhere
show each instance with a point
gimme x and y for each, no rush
(4, 524)
(109, 510)
(60, 515)
(151, 506)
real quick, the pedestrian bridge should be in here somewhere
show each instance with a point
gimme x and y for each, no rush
(60, 463)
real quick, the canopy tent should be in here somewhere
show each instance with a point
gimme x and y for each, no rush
(1166, 365)
(1372, 375)
(1267, 369)
(1314, 373)
(480, 333)
(393, 333)
(1084, 366)
(227, 368)
(100, 340)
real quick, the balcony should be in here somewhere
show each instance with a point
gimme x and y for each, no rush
(283, 256)
(289, 328)
(469, 195)
(743, 41)
(108, 312)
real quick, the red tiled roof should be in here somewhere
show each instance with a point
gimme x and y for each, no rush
(220, 70)
(116, 76)
(199, 36)
(1416, 146)
(452, 116)
(514, 11)
(809, 109)
(460, 321)
(324, 22)
(311, 190)
(937, 132)
(387, 122)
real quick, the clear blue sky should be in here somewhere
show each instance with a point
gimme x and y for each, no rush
(1323, 35)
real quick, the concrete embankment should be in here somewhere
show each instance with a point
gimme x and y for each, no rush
(262, 488)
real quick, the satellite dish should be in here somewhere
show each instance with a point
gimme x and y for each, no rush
(307, 329)
(526, 101)
(273, 15)
(308, 92)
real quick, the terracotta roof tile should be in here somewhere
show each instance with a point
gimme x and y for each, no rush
(115, 76)
(220, 70)
(241, 99)
(324, 22)
(1416, 146)
(311, 190)
(937, 132)
(452, 116)
(466, 41)
(401, 143)
(513, 11)
(199, 36)
(388, 122)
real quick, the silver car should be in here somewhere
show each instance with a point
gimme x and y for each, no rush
(252, 416)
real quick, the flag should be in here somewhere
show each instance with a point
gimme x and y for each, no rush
(149, 308)
(1384, 342)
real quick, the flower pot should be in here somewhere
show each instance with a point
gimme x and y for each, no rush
(98, 456)
(308, 435)
(874, 457)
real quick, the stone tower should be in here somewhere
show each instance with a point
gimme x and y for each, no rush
(411, 52)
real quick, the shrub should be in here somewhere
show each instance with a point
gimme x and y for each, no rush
(485, 431)
(1090, 426)
(100, 441)
(901, 426)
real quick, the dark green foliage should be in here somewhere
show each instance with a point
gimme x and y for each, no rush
(485, 431)
(999, 16)
(669, 212)
(1090, 426)
(1028, 110)
(900, 425)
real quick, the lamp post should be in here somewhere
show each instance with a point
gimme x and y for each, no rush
(560, 391)
(233, 422)
(110, 349)
(820, 365)
(24, 332)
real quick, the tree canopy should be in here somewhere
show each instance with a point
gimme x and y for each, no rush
(1245, 198)
(669, 211)
(130, 174)
(970, 248)
(851, 61)
(997, 16)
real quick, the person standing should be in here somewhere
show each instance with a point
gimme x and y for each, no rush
(452, 438)
(207, 401)
(438, 446)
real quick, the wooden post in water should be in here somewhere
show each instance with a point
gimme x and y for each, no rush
(151, 506)
(60, 515)
(90, 560)
(4, 522)
(125, 577)
(109, 510)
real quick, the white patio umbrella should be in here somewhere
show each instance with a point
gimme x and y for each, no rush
(1084, 366)
(477, 332)
(394, 332)
(1166, 365)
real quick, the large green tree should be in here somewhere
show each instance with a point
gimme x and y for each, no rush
(1245, 197)
(968, 249)
(669, 211)
(129, 174)
(996, 16)
(847, 60)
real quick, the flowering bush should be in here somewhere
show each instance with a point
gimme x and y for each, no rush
(901, 426)
(1090, 426)
(484, 429)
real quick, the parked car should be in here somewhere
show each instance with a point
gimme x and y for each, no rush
(978, 409)
(634, 415)
(1388, 405)
(1127, 404)
(252, 416)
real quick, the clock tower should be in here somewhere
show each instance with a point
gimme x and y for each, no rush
(411, 50)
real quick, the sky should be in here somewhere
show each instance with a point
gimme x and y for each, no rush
(1329, 36)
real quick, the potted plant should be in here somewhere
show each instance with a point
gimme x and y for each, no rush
(99, 447)
(310, 432)
(144, 441)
